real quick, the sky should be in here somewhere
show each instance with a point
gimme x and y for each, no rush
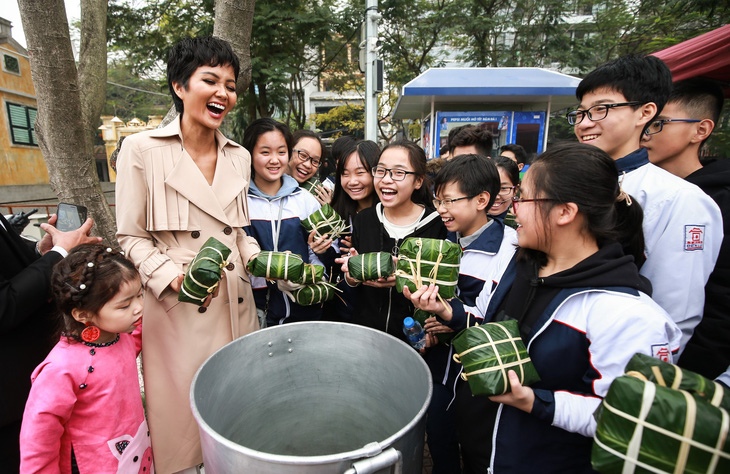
(11, 12)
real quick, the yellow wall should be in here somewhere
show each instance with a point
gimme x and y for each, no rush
(19, 164)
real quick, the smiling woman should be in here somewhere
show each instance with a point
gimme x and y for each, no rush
(177, 187)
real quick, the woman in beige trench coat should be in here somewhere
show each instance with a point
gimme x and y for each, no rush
(176, 187)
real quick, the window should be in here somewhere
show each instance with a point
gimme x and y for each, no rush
(11, 64)
(22, 120)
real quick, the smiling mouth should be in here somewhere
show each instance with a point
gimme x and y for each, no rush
(588, 137)
(216, 108)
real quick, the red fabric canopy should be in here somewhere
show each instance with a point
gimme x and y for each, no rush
(707, 55)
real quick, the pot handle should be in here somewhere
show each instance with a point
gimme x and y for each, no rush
(389, 457)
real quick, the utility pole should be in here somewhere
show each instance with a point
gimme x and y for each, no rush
(371, 99)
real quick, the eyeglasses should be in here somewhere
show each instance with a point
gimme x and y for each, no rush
(447, 203)
(304, 157)
(516, 201)
(395, 174)
(657, 125)
(505, 190)
(595, 113)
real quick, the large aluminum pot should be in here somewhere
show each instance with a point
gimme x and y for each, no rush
(314, 397)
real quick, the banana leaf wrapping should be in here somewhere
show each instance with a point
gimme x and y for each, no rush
(421, 316)
(669, 375)
(424, 261)
(204, 272)
(326, 221)
(488, 352)
(311, 185)
(370, 266)
(311, 274)
(510, 220)
(277, 266)
(314, 294)
(646, 427)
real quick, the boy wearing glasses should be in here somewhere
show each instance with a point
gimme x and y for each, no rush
(466, 188)
(682, 225)
(674, 141)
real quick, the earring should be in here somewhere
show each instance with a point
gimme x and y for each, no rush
(90, 333)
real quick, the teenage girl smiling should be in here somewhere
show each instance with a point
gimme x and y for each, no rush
(405, 210)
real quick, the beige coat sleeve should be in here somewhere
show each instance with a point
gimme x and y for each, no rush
(156, 269)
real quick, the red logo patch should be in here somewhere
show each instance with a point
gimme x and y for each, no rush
(661, 352)
(694, 237)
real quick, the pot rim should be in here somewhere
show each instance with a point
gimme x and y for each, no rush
(369, 450)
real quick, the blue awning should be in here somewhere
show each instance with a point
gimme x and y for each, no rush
(512, 88)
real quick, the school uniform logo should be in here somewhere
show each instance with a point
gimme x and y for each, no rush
(661, 352)
(694, 237)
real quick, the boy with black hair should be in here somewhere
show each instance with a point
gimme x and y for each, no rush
(515, 153)
(682, 229)
(674, 141)
(466, 188)
(471, 139)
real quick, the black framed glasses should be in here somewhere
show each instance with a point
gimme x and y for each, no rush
(505, 190)
(395, 174)
(595, 113)
(304, 157)
(447, 203)
(516, 201)
(657, 125)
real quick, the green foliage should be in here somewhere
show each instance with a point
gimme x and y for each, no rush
(144, 34)
(128, 103)
(342, 120)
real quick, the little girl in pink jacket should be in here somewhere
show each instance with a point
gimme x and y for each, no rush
(84, 413)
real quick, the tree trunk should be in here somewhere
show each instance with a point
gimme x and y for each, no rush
(62, 137)
(92, 62)
(233, 23)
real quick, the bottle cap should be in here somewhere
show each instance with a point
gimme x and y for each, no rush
(408, 322)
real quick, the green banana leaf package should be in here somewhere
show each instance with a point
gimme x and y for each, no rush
(423, 261)
(370, 266)
(314, 294)
(277, 266)
(311, 185)
(421, 316)
(646, 427)
(326, 221)
(488, 352)
(669, 375)
(311, 274)
(204, 272)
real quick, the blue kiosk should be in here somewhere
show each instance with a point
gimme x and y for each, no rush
(514, 103)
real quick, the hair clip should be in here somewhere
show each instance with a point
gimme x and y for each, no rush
(90, 264)
(109, 250)
(82, 287)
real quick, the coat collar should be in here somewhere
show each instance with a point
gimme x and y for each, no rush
(186, 178)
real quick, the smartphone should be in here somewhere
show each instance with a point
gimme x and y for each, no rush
(70, 216)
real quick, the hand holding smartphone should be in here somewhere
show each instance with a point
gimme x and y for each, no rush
(70, 216)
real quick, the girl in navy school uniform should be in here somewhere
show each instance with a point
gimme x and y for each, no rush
(277, 206)
(405, 210)
(354, 191)
(581, 305)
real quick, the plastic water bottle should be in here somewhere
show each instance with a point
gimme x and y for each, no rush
(414, 332)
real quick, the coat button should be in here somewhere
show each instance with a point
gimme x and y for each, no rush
(195, 234)
(240, 300)
(227, 230)
(230, 267)
(202, 310)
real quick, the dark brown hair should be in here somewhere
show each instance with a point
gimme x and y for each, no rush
(87, 279)
(587, 176)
